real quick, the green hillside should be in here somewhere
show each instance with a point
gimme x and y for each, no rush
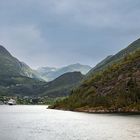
(115, 89)
(20, 86)
(24, 86)
(62, 85)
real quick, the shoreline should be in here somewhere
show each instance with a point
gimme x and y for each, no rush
(103, 111)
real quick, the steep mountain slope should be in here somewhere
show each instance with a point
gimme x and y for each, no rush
(115, 89)
(11, 66)
(50, 74)
(114, 58)
(62, 85)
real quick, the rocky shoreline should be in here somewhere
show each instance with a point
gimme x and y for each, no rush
(95, 110)
(107, 111)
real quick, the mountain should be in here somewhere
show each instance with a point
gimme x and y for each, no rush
(24, 86)
(62, 85)
(114, 89)
(17, 78)
(114, 58)
(11, 66)
(100, 65)
(50, 74)
(20, 86)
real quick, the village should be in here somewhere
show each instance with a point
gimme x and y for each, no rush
(25, 100)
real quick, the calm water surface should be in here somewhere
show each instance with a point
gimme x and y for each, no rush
(38, 123)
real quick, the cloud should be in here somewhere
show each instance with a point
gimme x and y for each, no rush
(60, 32)
(24, 42)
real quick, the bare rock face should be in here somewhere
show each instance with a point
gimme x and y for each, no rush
(120, 77)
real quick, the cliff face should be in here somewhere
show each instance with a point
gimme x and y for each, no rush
(115, 89)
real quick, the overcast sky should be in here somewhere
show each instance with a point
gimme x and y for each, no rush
(62, 32)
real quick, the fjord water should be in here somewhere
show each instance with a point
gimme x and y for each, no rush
(39, 123)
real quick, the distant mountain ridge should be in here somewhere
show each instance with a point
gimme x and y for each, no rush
(51, 73)
(44, 70)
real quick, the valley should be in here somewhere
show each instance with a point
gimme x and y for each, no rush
(113, 85)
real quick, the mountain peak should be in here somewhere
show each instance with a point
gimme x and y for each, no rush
(3, 51)
(78, 64)
(50, 74)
